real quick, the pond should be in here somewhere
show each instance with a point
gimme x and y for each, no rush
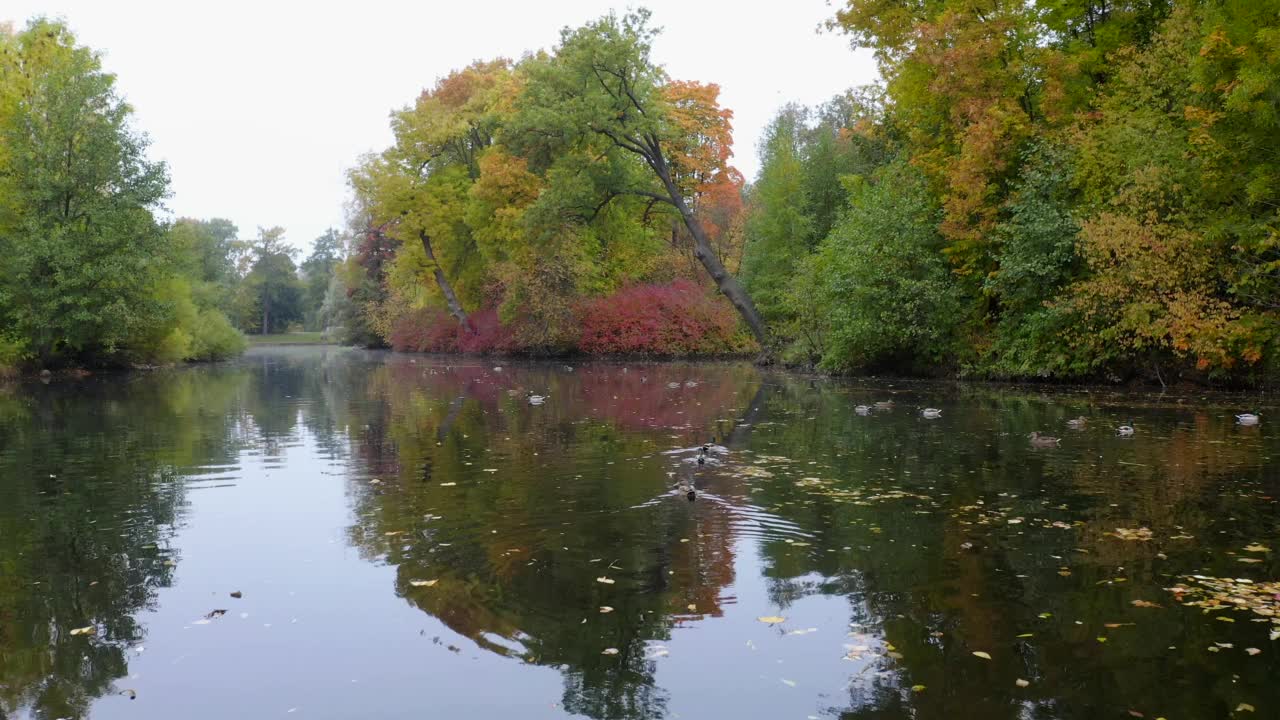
(332, 533)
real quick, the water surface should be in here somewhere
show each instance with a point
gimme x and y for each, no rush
(410, 538)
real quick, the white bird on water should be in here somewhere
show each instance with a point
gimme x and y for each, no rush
(1126, 430)
(931, 413)
(537, 399)
(1248, 418)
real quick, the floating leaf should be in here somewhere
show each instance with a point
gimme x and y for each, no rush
(772, 619)
(423, 583)
(606, 609)
(1145, 604)
(1021, 683)
(1101, 639)
(917, 688)
(1244, 707)
(1027, 635)
(609, 651)
(1045, 616)
(90, 630)
(1248, 560)
(1252, 651)
(979, 653)
(1257, 548)
(237, 594)
(693, 607)
(788, 683)
(448, 484)
(604, 580)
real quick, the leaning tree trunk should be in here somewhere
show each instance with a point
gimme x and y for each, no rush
(266, 310)
(706, 254)
(450, 297)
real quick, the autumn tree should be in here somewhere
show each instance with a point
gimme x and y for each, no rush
(600, 95)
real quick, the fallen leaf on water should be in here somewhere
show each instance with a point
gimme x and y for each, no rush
(604, 580)
(979, 653)
(1244, 707)
(1252, 651)
(237, 594)
(423, 583)
(788, 683)
(1257, 548)
(1135, 713)
(1275, 634)
(772, 619)
(1224, 619)
(85, 630)
(448, 484)
(1045, 616)
(215, 614)
(693, 607)
(606, 609)
(1027, 635)
(609, 651)
(1113, 626)
(1145, 604)
(1248, 560)
(805, 631)
(917, 688)
(1021, 683)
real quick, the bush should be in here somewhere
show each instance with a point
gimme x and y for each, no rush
(213, 337)
(669, 320)
(886, 287)
(424, 330)
(13, 351)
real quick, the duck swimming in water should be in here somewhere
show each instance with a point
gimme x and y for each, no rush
(1043, 441)
(1126, 430)
(1248, 418)
(931, 413)
(862, 409)
(536, 399)
(1078, 423)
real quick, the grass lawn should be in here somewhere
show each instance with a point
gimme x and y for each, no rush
(295, 338)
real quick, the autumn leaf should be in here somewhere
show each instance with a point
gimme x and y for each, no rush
(605, 609)
(981, 654)
(1021, 683)
(90, 630)
(917, 688)
(609, 651)
(604, 580)
(423, 583)
(771, 619)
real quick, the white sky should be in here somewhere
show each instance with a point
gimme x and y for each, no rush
(260, 107)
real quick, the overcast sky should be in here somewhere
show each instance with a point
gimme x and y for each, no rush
(260, 107)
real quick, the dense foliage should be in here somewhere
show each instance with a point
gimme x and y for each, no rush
(557, 195)
(89, 275)
(1042, 189)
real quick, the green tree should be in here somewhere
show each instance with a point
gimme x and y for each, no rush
(82, 251)
(317, 274)
(272, 283)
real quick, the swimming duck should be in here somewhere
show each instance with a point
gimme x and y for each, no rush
(1078, 423)
(1248, 418)
(863, 409)
(1043, 441)
(931, 413)
(536, 399)
(884, 405)
(1126, 430)
(686, 486)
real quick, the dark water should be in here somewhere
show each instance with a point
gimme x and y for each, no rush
(321, 484)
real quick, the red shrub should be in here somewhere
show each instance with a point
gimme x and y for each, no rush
(424, 330)
(669, 320)
(487, 335)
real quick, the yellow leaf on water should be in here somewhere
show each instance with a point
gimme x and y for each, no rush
(772, 619)
(1045, 616)
(1145, 604)
(1224, 619)
(448, 484)
(1252, 651)
(1248, 560)
(1027, 635)
(604, 580)
(609, 651)
(423, 583)
(1244, 707)
(979, 653)
(693, 607)
(788, 683)
(917, 688)
(606, 609)
(1021, 683)
(85, 630)
(1257, 548)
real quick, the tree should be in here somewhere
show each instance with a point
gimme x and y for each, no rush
(317, 272)
(602, 95)
(82, 252)
(272, 281)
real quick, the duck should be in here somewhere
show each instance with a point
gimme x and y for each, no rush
(862, 409)
(1126, 430)
(1043, 441)
(536, 399)
(884, 405)
(1078, 423)
(931, 413)
(686, 487)
(1248, 418)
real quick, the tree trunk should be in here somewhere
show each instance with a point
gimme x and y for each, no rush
(450, 298)
(706, 254)
(266, 311)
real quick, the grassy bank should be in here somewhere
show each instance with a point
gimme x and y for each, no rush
(294, 338)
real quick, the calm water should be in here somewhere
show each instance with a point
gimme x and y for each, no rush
(411, 538)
